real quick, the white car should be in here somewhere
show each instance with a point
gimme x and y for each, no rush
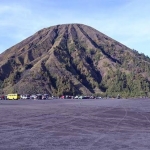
(76, 97)
(25, 97)
(33, 97)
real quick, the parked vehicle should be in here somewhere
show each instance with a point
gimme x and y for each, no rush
(98, 97)
(13, 96)
(39, 96)
(62, 97)
(33, 97)
(25, 96)
(84, 97)
(3, 97)
(76, 97)
(45, 96)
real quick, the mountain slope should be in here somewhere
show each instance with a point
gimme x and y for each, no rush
(73, 59)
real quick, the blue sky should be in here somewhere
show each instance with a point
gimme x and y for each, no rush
(126, 21)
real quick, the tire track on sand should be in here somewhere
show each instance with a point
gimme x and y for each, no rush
(113, 129)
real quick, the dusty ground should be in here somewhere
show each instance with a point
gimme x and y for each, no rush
(75, 124)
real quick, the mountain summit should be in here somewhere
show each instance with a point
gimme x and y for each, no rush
(73, 59)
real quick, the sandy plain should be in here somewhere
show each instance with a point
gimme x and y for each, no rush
(89, 124)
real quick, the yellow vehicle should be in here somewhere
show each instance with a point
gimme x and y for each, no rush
(13, 96)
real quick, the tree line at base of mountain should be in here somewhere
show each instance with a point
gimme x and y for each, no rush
(114, 83)
(126, 85)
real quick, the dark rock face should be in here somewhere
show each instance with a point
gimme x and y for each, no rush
(67, 59)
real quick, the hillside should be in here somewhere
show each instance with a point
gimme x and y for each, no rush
(74, 59)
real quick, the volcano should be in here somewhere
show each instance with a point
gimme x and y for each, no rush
(73, 59)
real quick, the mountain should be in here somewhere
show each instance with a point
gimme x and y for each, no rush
(74, 59)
